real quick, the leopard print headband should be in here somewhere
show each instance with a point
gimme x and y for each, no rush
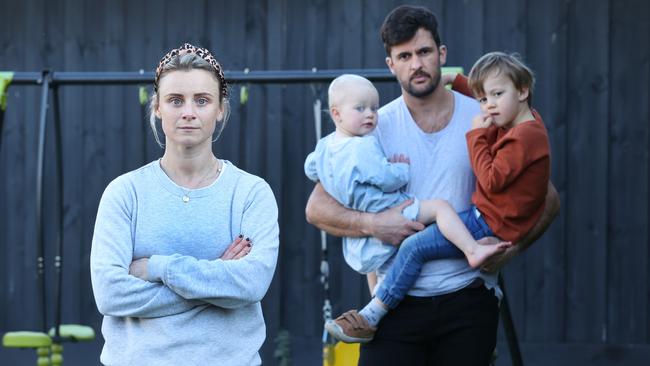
(202, 53)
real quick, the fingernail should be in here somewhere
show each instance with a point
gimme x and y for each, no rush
(249, 245)
(240, 236)
(248, 239)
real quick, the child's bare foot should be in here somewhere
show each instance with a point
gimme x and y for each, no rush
(487, 247)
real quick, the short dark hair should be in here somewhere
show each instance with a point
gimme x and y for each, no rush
(404, 21)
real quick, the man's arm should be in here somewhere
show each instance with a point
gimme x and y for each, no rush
(389, 226)
(551, 209)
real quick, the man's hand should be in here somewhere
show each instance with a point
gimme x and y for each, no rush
(482, 121)
(399, 158)
(239, 248)
(138, 268)
(390, 226)
(551, 209)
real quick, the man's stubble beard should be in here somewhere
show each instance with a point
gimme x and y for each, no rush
(411, 90)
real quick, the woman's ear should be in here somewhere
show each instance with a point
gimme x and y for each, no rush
(221, 111)
(156, 109)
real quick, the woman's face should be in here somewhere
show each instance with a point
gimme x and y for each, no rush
(189, 107)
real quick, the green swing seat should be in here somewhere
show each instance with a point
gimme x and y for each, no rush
(48, 352)
(74, 332)
(70, 332)
(26, 340)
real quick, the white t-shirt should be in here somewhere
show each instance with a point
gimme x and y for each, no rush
(440, 169)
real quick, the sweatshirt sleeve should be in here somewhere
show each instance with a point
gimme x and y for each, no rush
(232, 283)
(495, 170)
(371, 166)
(461, 85)
(117, 293)
(310, 167)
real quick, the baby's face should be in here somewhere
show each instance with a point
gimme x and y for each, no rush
(358, 111)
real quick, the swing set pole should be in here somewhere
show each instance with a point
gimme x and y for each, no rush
(40, 242)
(58, 259)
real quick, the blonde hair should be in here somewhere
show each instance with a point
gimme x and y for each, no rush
(187, 62)
(497, 63)
(339, 86)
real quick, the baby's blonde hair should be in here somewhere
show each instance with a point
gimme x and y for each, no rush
(339, 88)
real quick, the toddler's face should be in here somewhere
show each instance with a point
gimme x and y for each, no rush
(358, 111)
(501, 101)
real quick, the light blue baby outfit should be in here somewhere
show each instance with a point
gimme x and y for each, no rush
(355, 171)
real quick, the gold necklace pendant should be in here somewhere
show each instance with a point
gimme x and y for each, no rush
(186, 195)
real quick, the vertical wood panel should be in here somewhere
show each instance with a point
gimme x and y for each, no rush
(72, 120)
(627, 281)
(587, 180)
(253, 143)
(462, 25)
(227, 31)
(274, 48)
(302, 301)
(545, 270)
(28, 143)
(504, 30)
(19, 287)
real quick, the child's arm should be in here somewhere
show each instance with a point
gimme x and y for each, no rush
(460, 85)
(310, 167)
(497, 166)
(372, 167)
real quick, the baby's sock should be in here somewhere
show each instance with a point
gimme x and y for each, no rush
(373, 312)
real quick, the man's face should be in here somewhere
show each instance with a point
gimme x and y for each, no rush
(416, 63)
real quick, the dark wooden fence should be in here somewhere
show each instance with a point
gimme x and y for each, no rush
(581, 295)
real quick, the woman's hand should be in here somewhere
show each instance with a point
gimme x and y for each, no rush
(239, 248)
(138, 268)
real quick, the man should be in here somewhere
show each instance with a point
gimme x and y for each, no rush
(451, 314)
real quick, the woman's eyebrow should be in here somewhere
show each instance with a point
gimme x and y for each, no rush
(204, 93)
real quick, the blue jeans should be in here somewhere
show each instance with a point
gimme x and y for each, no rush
(421, 247)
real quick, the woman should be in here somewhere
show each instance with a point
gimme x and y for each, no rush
(173, 268)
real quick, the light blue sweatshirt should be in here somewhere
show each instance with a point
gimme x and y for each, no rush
(195, 309)
(356, 173)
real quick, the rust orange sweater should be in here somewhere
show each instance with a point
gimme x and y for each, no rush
(512, 169)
